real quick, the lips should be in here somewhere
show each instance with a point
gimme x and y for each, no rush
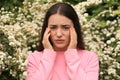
(59, 41)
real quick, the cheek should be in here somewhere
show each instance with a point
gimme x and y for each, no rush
(68, 36)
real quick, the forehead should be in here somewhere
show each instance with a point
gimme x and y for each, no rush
(59, 19)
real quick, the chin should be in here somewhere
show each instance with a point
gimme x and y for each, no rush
(61, 48)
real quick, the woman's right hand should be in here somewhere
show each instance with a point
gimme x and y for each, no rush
(46, 42)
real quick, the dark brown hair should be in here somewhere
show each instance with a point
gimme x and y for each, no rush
(67, 11)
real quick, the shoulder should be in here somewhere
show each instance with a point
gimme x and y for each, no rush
(88, 58)
(34, 55)
(88, 54)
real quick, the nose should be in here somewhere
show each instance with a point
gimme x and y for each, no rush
(59, 33)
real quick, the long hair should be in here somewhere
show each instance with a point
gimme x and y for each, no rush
(67, 11)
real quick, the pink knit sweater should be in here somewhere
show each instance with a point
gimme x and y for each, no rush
(72, 64)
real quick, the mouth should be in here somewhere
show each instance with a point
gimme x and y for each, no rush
(59, 41)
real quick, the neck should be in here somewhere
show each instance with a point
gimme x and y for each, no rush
(60, 49)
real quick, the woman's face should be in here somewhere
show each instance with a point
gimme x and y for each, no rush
(59, 31)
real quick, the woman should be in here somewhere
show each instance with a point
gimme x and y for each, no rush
(61, 54)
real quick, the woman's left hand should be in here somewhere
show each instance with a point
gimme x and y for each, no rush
(73, 39)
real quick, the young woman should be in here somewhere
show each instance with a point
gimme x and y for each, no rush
(61, 54)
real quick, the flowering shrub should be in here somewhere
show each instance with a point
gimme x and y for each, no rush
(20, 27)
(102, 35)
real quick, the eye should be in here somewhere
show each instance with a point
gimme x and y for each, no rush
(66, 27)
(53, 27)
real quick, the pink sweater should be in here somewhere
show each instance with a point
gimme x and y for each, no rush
(72, 64)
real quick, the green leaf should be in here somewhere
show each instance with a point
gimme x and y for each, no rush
(102, 23)
(118, 59)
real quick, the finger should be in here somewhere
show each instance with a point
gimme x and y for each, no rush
(45, 41)
(72, 33)
(47, 32)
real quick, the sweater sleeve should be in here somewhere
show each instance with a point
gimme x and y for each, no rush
(76, 71)
(40, 70)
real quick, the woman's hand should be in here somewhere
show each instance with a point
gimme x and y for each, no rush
(46, 42)
(73, 39)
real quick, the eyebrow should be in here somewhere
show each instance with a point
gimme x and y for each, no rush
(61, 25)
(52, 25)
